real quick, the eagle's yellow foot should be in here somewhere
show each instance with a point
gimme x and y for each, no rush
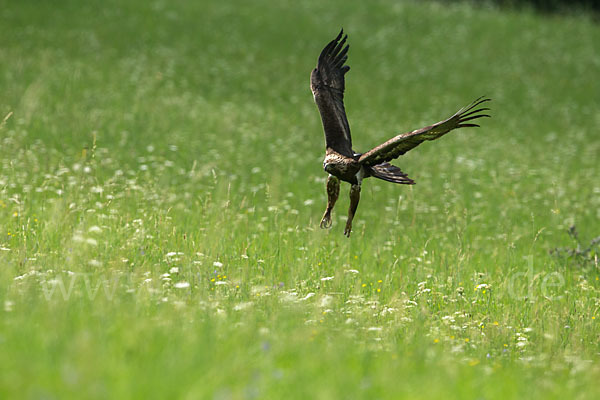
(326, 221)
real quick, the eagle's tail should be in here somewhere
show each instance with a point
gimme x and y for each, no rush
(390, 173)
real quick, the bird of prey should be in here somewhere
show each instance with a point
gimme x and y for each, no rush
(341, 161)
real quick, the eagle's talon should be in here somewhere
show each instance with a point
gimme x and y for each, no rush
(348, 230)
(326, 222)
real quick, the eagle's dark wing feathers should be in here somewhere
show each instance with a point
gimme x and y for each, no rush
(402, 143)
(327, 85)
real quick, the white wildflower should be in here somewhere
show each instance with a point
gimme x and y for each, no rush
(263, 330)
(182, 285)
(325, 301)
(387, 310)
(457, 349)
(242, 306)
(308, 296)
(220, 313)
(288, 296)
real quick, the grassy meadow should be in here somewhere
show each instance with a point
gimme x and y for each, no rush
(161, 188)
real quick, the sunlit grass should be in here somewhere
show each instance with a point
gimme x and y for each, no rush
(161, 186)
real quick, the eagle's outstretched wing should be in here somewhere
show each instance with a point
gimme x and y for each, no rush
(402, 143)
(327, 85)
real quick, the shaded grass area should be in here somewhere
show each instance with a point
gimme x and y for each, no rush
(551, 6)
(161, 187)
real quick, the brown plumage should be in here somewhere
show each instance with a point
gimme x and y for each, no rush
(341, 162)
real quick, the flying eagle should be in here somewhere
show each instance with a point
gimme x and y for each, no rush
(341, 162)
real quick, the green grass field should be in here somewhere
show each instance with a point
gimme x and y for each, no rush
(161, 187)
